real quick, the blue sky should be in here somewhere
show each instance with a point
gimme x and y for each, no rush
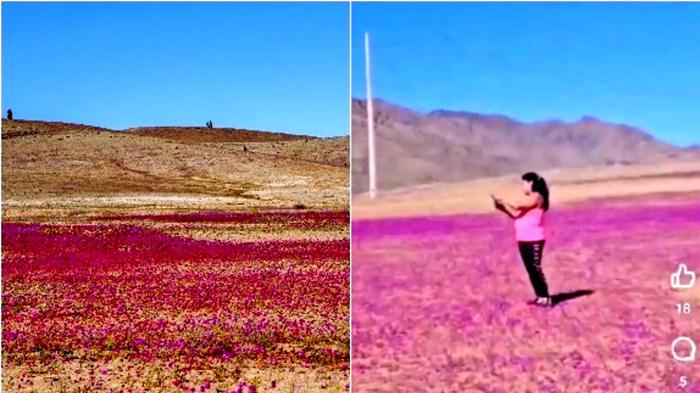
(637, 64)
(278, 66)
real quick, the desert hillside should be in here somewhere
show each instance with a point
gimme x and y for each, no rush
(49, 165)
(415, 148)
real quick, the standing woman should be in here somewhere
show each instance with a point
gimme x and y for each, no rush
(528, 216)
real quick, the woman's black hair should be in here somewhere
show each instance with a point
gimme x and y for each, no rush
(539, 185)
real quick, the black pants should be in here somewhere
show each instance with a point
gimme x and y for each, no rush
(531, 252)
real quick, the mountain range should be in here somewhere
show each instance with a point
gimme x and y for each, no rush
(416, 148)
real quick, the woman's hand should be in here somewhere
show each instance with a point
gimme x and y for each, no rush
(503, 206)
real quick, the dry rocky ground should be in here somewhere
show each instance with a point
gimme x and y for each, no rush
(53, 169)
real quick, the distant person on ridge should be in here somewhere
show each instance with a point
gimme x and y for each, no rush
(9, 114)
(528, 217)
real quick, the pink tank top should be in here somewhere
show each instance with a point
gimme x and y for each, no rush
(530, 227)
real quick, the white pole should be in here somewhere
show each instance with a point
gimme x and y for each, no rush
(370, 126)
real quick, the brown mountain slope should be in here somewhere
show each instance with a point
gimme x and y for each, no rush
(17, 128)
(203, 134)
(45, 163)
(331, 151)
(442, 146)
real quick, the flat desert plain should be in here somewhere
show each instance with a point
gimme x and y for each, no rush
(439, 292)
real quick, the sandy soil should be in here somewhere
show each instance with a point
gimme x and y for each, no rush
(147, 376)
(566, 186)
(59, 169)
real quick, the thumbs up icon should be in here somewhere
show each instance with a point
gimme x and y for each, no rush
(683, 278)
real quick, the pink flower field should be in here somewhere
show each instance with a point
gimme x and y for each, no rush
(113, 304)
(439, 303)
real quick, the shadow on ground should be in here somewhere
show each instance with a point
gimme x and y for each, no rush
(566, 296)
